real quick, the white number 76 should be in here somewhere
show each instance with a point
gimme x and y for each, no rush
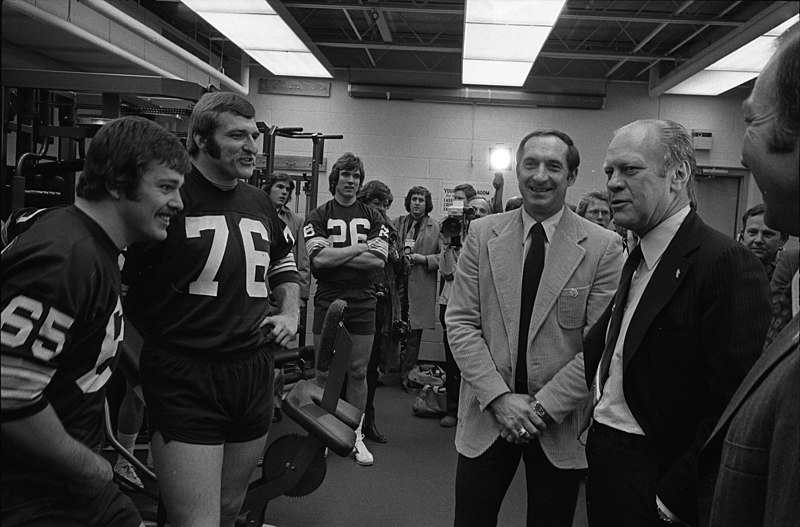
(205, 284)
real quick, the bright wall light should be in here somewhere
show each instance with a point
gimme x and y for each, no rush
(738, 67)
(500, 157)
(261, 32)
(502, 39)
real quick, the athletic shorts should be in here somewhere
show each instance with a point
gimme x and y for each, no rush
(208, 398)
(63, 509)
(359, 320)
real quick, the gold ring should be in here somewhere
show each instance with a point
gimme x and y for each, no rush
(522, 431)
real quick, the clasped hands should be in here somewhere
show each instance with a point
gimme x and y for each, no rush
(518, 422)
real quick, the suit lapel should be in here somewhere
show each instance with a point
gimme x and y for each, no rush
(563, 257)
(783, 344)
(505, 266)
(667, 277)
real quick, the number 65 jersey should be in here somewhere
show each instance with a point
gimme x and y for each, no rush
(61, 322)
(206, 287)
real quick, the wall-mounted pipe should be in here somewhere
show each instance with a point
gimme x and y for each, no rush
(128, 22)
(40, 14)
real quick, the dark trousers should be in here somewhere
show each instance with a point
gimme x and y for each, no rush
(623, 472)
(375, 357)
(413, 342)
(452, 372)
(482, 482)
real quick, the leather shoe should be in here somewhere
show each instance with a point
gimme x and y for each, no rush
(448, 421)
(371, 432)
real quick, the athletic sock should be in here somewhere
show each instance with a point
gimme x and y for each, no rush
(128, 442)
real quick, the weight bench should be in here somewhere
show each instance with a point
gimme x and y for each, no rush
(295, 465)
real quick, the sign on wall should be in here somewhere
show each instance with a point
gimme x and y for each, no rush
(309, 88)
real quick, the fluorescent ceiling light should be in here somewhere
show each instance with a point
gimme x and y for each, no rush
(735, 68)
(750, 57)
(291, 63)
(257, 28)
(502, 39)
(249, 32)
(709, 82)
(231, 6)
(481, 42)
(495, 72)
(522, 12)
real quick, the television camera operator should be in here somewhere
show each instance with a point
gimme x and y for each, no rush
(454, 229)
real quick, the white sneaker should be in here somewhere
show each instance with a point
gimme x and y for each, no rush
(126, 470)
(363, 455)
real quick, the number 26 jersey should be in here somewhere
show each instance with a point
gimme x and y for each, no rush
(335, 225)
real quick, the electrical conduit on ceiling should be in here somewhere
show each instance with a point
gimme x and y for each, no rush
(42, 15)
(156, 38)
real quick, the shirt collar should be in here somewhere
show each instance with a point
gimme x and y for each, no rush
(549, 225)
(655, 242)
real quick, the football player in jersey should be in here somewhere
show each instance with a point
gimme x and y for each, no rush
(345, 240)
(200, 300)
(62, 323)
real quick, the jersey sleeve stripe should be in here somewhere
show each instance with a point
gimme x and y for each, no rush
(281, 266)
(379, 247)
(316, 244)
(23, 380)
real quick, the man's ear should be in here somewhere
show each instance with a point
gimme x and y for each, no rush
(113, 192)
(679, 178)
(572, 177)
(201, 142)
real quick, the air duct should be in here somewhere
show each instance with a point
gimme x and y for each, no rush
(485, 96)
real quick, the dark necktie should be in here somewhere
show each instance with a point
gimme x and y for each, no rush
(417, 225)
(781, 314)
(621, 298)
(531, 275)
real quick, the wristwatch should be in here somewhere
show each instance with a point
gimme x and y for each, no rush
(539, 410)
(664, 518)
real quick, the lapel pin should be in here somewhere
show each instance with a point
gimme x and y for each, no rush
(677, 273)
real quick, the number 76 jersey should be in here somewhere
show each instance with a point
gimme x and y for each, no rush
(206, 287)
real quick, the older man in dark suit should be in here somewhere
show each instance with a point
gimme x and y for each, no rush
(685, 326)
(754, 446)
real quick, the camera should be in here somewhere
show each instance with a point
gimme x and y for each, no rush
(381, 291)
(400, 329)
(456, 224)
(394, 254)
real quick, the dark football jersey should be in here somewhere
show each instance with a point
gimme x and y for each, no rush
(21, 220)
(61, 322)
(206, 287)
(336, 225)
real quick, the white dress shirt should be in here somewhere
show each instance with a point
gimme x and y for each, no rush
(549, 225)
